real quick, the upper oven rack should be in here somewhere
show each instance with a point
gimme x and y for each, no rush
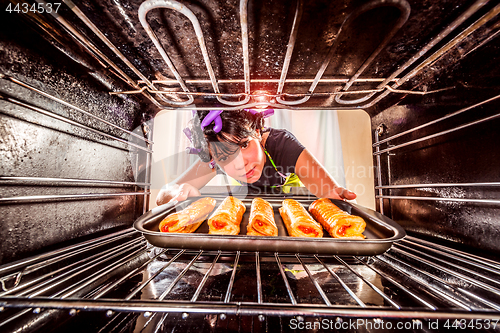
(120, 275)
(169, 97)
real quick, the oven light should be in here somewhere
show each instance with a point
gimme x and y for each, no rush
(262, 98)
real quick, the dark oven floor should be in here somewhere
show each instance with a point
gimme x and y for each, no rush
(118, 283)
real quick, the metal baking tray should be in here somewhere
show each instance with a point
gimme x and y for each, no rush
(380, 232)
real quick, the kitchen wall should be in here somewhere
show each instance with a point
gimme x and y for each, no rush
(356, 139)
(346, 151)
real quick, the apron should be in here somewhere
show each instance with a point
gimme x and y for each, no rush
(290, 179)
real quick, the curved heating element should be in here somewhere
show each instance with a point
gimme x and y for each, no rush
(179, 7)
(383, 89)
(143, 11)
(404, 9)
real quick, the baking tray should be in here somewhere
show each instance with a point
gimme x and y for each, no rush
(380, 232)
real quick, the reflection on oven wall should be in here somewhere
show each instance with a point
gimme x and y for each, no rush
(344, 147)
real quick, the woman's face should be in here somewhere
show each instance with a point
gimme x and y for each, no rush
(245, 161)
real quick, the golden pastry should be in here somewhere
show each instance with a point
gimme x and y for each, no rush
(261, 222)
(190, 218)
(227, 217)
(297, 220)
(337, 222)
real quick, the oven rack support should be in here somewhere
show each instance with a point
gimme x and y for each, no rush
(453, 114)
(437, 134)
(72, 122)
(58, 100)
(63, 181)
(133, 143)
(415, 279)
(378, 153)
(58, 197)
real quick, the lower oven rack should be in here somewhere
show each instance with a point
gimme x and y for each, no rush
(128, 282)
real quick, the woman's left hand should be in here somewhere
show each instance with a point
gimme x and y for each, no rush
(343, 193)
(317, 180)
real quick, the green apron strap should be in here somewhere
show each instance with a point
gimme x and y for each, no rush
(291, 180)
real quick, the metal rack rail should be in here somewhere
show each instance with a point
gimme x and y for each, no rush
(415, 280)
(144, 144)
(378, 152)
(62, 181)
(72, 122)
(87, 113)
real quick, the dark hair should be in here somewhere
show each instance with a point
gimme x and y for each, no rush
(236, 125)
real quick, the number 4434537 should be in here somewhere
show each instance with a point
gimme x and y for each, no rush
(34, 8)
(471, 324)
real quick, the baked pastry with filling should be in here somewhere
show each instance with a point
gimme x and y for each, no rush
(261, 222)
(190, 218)
(297, 220)
(338, 223)
(226, 219)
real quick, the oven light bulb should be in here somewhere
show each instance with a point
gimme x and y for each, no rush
(262, 99)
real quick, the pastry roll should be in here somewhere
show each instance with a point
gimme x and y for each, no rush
(227, 217)
(337, 222)
(190, 218)
(261, 222)
(297, 220)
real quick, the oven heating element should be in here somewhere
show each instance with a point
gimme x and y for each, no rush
(281, 99)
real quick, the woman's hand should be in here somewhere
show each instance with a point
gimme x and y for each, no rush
(342, 193)
(195, 177)
(176, 192)
(317, 179)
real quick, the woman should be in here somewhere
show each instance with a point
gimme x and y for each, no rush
(236, 143)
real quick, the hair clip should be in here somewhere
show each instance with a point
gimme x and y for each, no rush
(267, 113)
(213, 116)
(211, 164)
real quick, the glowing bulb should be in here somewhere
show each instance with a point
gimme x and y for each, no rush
(262, 98)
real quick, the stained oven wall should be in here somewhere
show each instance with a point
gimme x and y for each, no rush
(54, 152)
(444, 170)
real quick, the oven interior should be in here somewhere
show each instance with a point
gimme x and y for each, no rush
(81, 82)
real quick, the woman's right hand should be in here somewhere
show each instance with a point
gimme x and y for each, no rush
(176, 192)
